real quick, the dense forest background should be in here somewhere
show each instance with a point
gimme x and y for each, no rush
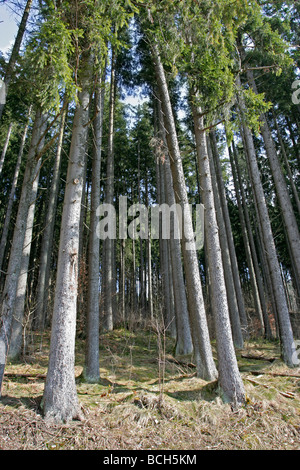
(169, 102)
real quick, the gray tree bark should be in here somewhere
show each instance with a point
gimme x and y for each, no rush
(108, 243)
(92, 368)
(12, 193)
(165, 268)
(142, 271)
(13, 271)
(15, 347)
(122, 280)
(253, 266)
(184, 345)
(60, 401)
(47, 238)
(286, 333)
(233, 307)
(284, 199)
(287, 164)
(201, 342)
(230, 381)
(149, 290)
(228, 229)
(5, 147)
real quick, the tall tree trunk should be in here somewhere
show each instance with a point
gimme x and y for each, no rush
(108, 243)
(292, 136)
(122, 280)
(287, 164)
(201, 342)
(184, 345)
(262, 256)
(47, 237)
(165, 266)
(92, 368)
(230, 381)
(15, 347)
(233, 307)
(60, 401)
(13, 271)
(133, 279)
(231, 247)
(149, 261)
(12, 193)
(142, 261)
(286, 333)
(253, 250)
(83, 240)
(15, 51)
(284, 199)
(254, 272)
(5, 147)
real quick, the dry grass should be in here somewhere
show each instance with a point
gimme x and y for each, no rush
(132, 408)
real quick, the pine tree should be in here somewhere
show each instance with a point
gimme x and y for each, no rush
(11, 281)
(200, 335)
(286, 334)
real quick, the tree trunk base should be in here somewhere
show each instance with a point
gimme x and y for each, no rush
(62, 413)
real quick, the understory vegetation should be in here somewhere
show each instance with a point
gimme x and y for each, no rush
(146, 400)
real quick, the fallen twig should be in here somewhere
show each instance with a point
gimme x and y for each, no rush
(181, 363)
(274, 374)
(285, 394)
(26, 376)
(260, 358)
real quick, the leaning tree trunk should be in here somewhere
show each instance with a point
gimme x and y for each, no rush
(12, 193)
(13, 271)
(284, 199)
(293, 139)
(15, 347)
(5, 147)
(230, 382)
(201, 342)
(286, 333)
(60, 401)
(287, 164)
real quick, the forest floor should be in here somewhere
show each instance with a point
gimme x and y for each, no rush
(149, 400)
